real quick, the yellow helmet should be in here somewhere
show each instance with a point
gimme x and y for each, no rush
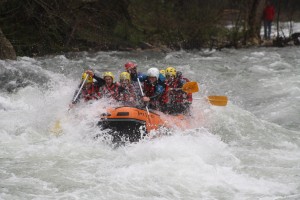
(88, 80)
(163, 72)
(124, 76)
(171, 71)
(110, 74)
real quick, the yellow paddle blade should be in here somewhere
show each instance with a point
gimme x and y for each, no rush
(56, 129)
(218, 100)
(190, 87)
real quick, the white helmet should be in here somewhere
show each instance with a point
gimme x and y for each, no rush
(153, 72)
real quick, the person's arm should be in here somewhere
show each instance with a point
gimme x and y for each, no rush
(100, 81)
(182, 81)
(76, 100)
(142, 77)
(158, 92)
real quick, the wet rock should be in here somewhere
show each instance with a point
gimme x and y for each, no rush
(7, 51)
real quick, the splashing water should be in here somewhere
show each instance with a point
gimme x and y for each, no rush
(246, 150)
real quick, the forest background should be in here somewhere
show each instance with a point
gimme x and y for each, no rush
(41, 27)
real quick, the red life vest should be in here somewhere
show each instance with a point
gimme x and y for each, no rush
(91, 94)
(127, 95)
(149, 91)
(174, 94)
(164, 99)
(109, 91)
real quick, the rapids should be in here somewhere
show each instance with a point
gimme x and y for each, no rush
(246, 150)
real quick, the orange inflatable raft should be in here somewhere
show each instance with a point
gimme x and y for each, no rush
(134, 123)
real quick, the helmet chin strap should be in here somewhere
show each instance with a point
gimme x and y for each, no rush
(171, 80)
(154, 83)
(133, 76)
(124, 84)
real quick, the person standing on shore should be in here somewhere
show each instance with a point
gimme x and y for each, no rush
(268, 17)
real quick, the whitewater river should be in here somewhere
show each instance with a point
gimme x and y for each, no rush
(249, 149)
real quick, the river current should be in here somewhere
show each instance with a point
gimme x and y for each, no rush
(249, 149)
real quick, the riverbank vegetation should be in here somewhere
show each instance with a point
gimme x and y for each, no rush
(39, 27)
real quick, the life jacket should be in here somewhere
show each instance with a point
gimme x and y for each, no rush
(149, 89)
(109, 91)
(154, 92)
(90, 94)
(137, 89)
(174, 94)
(127, 95)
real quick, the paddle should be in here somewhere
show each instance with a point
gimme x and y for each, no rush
(216, 100)
(56, 129)
(189, 87)
(143, 95)
(75, 98)
(192, 87)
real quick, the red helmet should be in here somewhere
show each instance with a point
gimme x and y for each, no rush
(130, 65)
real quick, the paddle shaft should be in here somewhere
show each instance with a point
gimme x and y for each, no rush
(143, 95)
(57, 126)
(216, 100)
(75, 98)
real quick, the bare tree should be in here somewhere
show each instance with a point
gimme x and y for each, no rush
(254, 20)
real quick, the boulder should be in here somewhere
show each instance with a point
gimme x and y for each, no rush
(7, 51)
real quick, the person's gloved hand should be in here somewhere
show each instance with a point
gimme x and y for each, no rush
(187, 104)
(71, 105)
(90, 73)
(121, 89)
(146, 99)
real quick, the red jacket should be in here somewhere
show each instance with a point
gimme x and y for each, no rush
(91, 94)
(109, 91)
(177, 96)
(126, 94)
(269, 13)
(156, 94)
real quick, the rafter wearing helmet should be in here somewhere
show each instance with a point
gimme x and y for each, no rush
(126, 92)
(152, 89)
(110, 89)
(178, 101)
(90, 84)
